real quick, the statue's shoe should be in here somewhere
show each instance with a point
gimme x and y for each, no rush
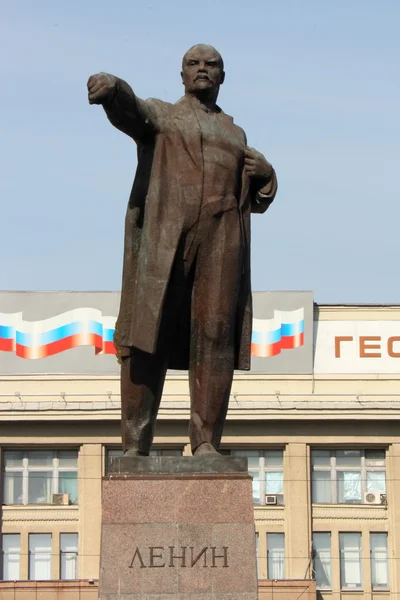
(205, 448)
(132, 452)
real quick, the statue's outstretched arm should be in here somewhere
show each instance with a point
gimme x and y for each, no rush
(124, 109)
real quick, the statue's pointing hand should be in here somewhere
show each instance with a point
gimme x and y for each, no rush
(101, 88)
(256, 165)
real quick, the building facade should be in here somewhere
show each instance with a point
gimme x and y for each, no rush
(321, 433)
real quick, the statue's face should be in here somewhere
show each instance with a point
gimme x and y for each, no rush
(202, 71)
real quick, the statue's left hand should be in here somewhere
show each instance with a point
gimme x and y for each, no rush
(256, 165)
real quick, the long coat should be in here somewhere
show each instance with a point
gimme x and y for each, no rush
(170, 174)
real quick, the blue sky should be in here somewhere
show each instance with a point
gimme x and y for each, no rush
(315, 84)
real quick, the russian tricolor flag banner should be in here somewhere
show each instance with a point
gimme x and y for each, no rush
(285, 331)
(40, 339)
(89, 327)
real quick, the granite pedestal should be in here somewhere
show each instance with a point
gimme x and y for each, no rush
(178, 529)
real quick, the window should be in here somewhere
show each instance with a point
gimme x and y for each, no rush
(379, 560)
(276, 555)
(69, 555)
(347, 476)
(31, 477)
(350, 560)
(39, 556)
(322, 560)
(266, 469)
(113, 452)
(11, 549)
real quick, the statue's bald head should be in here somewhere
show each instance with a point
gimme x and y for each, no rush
(203, 48)
(203, 72)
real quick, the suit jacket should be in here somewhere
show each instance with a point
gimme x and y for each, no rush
(170, 174)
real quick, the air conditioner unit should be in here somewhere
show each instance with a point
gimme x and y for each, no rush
(372, 498)
(271, 499)
(60, 499)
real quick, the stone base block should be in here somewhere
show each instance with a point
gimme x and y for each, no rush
(170, 534)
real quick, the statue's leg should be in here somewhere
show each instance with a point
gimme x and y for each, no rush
(214, 312)
(143, 374)
(142, 381)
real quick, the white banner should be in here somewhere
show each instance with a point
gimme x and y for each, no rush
(357, 347)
